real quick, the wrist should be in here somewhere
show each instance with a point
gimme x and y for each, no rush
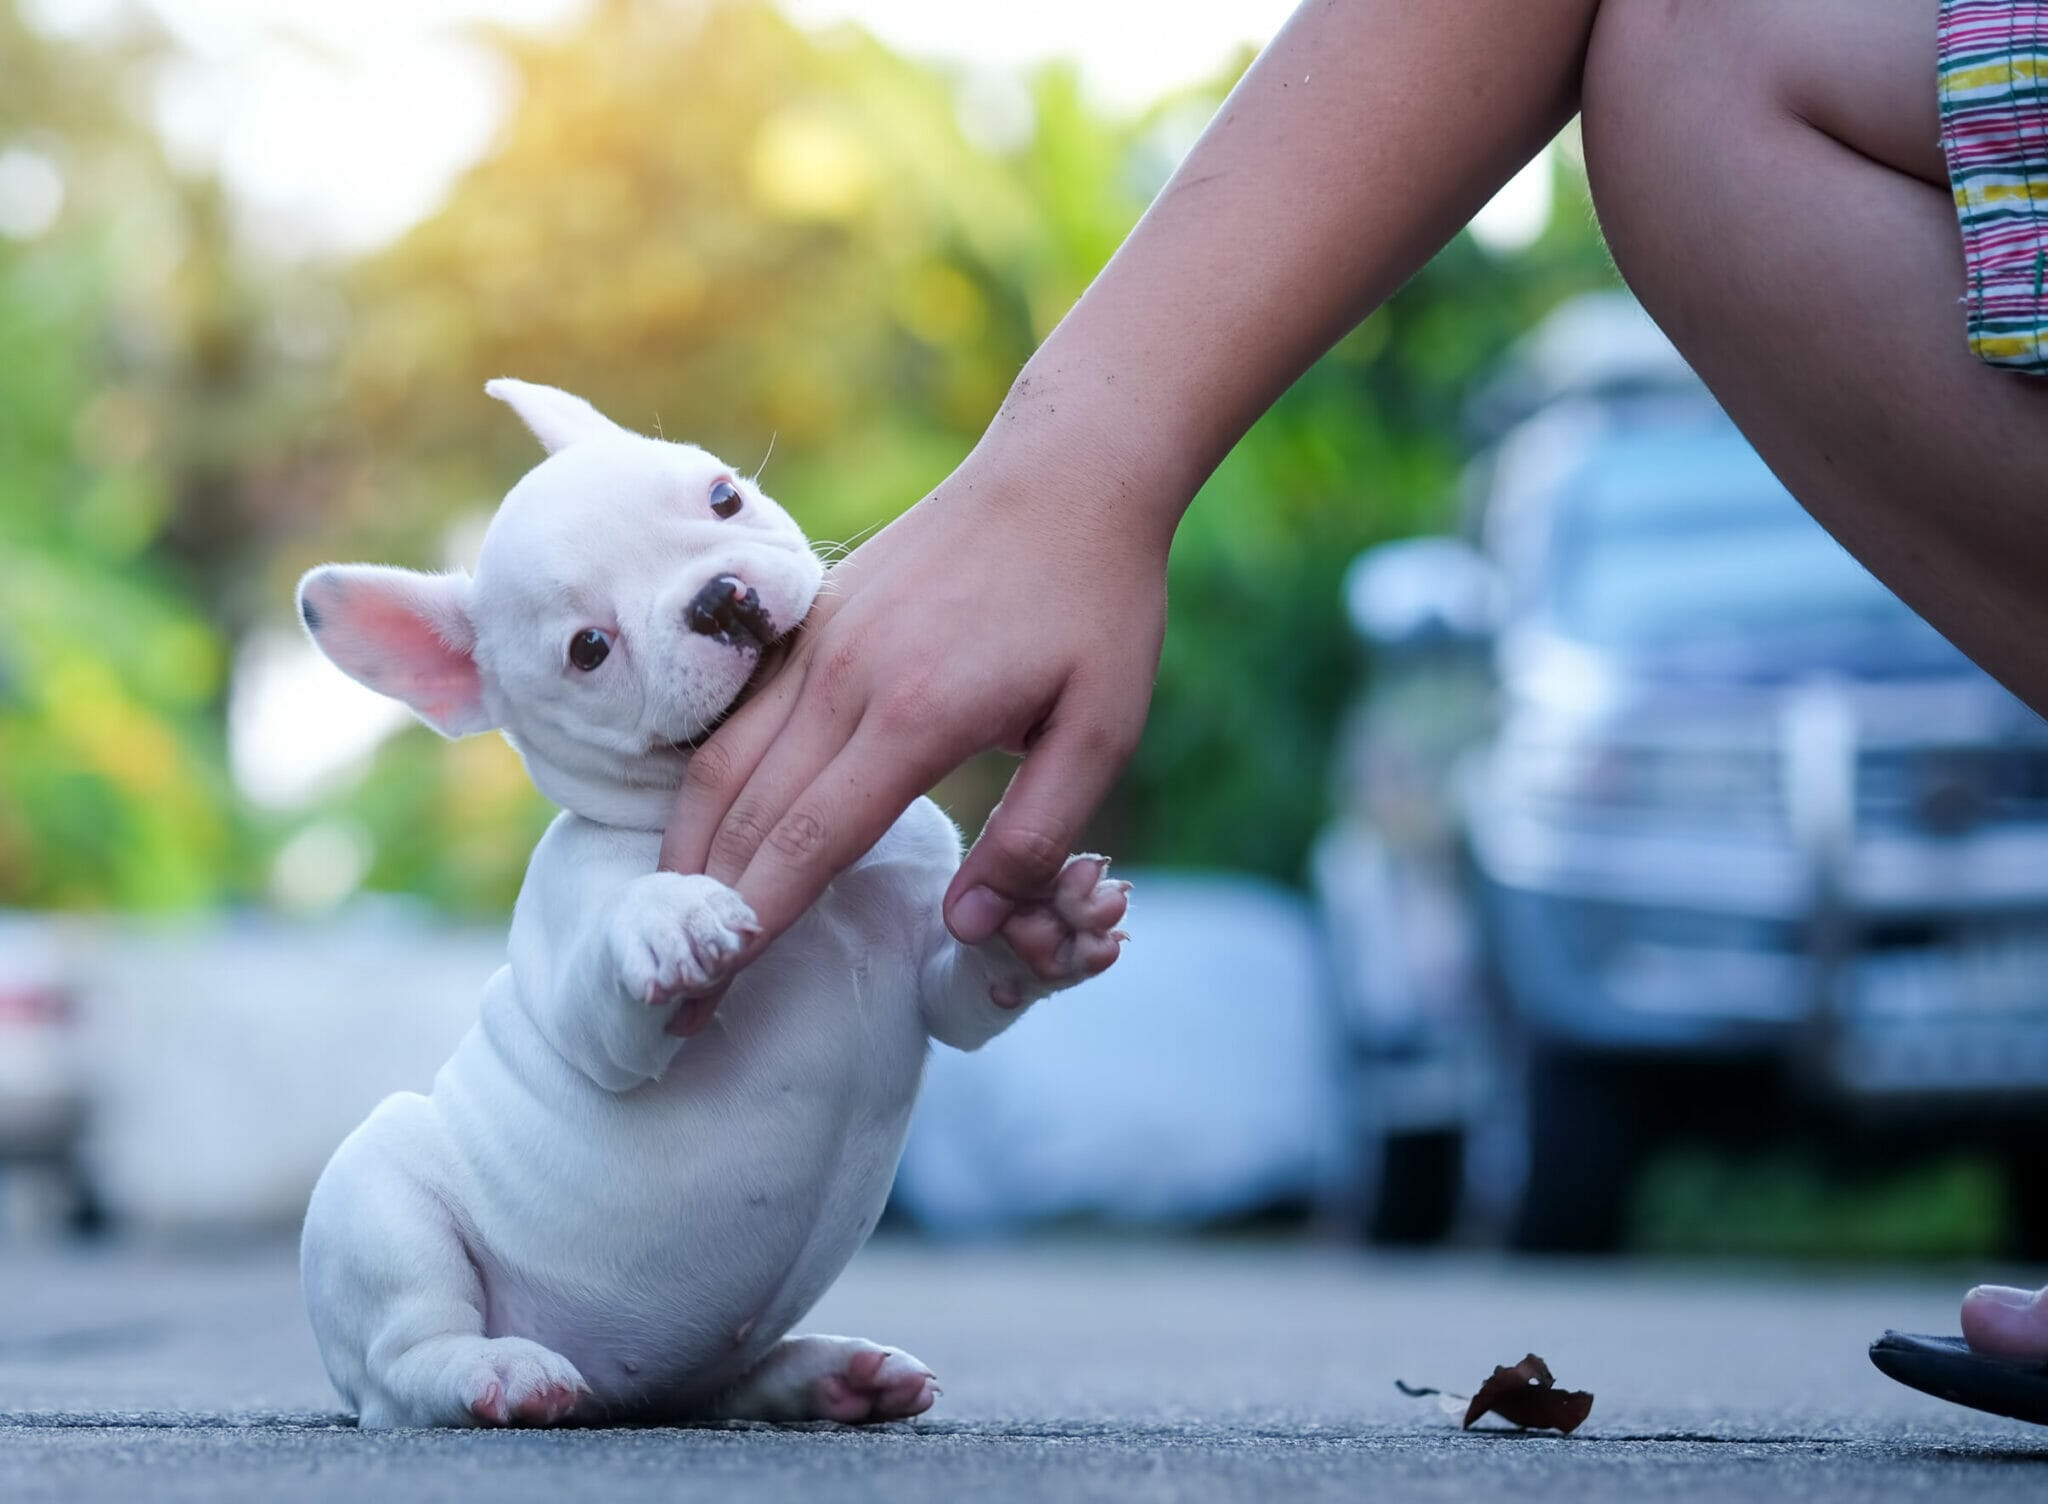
(1067, 436)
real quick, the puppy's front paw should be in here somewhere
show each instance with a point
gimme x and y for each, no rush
(675, 938)
(1067, 937)
(507, 1381)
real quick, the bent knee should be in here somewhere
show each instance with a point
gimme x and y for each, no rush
(1674, 89)
(1667, 84)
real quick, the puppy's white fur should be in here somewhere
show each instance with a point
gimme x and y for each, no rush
(591, 1215)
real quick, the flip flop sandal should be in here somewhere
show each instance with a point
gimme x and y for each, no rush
(1946, 1368)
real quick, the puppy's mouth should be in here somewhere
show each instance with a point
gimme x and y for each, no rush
(770, 658)
(727, 611)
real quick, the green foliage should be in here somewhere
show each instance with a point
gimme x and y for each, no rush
(1788, 1204)
(111, 781)
(1365, 447)
(706, 220)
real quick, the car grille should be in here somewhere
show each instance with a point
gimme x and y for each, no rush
(1950, 790)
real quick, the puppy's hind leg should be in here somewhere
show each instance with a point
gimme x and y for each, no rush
(831, 1378)
(396, 1303)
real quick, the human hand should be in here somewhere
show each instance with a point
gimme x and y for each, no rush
(1019, 606)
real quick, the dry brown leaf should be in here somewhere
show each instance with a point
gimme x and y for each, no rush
(1525, 1395)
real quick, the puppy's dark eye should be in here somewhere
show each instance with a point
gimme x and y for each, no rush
(726, 498)
(589, 648)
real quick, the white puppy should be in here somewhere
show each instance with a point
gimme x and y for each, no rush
(616, 1202)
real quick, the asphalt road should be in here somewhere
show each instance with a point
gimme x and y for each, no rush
(1074, 1371)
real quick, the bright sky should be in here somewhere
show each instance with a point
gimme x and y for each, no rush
(339, 123)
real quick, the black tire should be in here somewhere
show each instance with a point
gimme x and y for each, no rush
(2026, 1194)
(87, 1217)
(1416, 1185)
(1585, 1144)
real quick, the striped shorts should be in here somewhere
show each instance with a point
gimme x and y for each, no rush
(1994, 133)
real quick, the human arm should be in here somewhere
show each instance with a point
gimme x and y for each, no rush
(1022, 604)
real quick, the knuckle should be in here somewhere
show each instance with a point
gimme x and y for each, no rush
(1105, 729)
(1032, 851)
(908, 709)
(1106, 741)
(838, 666)
(712, 769)
(740, 835)
(799, 835)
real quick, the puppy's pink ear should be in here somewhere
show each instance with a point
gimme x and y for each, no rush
(403, 634)
(556, 418)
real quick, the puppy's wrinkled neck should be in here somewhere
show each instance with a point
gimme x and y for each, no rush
(637, 795)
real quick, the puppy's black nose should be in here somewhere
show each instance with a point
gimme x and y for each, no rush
(727, 608)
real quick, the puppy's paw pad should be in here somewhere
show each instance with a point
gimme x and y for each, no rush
(512, 1382)
(1073, 933)
(676, 936)
(875, 1384)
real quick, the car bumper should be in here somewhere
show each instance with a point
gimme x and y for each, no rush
(1602, 974)
(1997, 871)
(1957, 1009)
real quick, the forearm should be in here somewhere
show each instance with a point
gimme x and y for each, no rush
(599, 957)
(1362, 139)
(582, 1010)
(1022, 604)
(955, 994)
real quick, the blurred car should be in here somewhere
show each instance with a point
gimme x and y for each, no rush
(1190, 1084)
(1661, 814)
(42, 1077)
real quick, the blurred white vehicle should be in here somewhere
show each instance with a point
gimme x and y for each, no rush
(42, 1078)
(1194, 1082)
(231, 1053)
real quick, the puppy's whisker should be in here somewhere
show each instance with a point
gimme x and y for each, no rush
(772, 437)
(830, 553)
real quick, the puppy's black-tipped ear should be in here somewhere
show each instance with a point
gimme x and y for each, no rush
(403, 634)
(556, 418)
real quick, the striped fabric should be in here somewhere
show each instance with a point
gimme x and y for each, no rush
(1994, 132)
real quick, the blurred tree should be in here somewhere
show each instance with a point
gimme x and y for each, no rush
(712, 222)
(111, 784)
